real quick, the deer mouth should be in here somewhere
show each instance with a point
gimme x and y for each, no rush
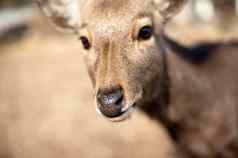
(123, 115)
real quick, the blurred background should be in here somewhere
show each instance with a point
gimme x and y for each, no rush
(46, 102)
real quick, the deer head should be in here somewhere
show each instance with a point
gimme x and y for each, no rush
(121, 47)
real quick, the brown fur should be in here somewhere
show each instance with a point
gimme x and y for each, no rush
(193, 91)
(202, 113)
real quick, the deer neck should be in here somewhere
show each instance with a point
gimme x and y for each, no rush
(174, 93)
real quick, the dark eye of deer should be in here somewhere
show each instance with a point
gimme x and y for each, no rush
(85, 42)
(145, 33)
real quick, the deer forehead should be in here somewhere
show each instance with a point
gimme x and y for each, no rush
(114, 6)
(107, 8)
(114, 27)
(114, 17)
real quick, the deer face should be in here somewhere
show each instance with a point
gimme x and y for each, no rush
(120, 40)
(121, 53)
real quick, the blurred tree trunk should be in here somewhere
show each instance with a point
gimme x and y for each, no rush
(225, 8)
(225, 11)
(13, 3)
(15, 17)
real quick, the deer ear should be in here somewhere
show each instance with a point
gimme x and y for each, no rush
(169, 8)
(63, 13)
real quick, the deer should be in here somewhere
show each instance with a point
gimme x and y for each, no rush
(134, 64)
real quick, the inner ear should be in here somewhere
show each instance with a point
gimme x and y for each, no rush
(169, 8)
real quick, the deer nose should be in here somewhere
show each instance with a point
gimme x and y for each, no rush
(110, 102)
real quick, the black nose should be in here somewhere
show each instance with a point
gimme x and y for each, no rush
(110, 102)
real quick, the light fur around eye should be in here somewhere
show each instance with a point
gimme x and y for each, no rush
(143, 29)
(85, 38)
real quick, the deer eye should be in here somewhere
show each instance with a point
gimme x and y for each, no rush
(85, 42)
(145, 33)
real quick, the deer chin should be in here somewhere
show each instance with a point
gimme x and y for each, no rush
(124, 115)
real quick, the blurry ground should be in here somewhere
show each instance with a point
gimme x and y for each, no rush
(46, 103)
